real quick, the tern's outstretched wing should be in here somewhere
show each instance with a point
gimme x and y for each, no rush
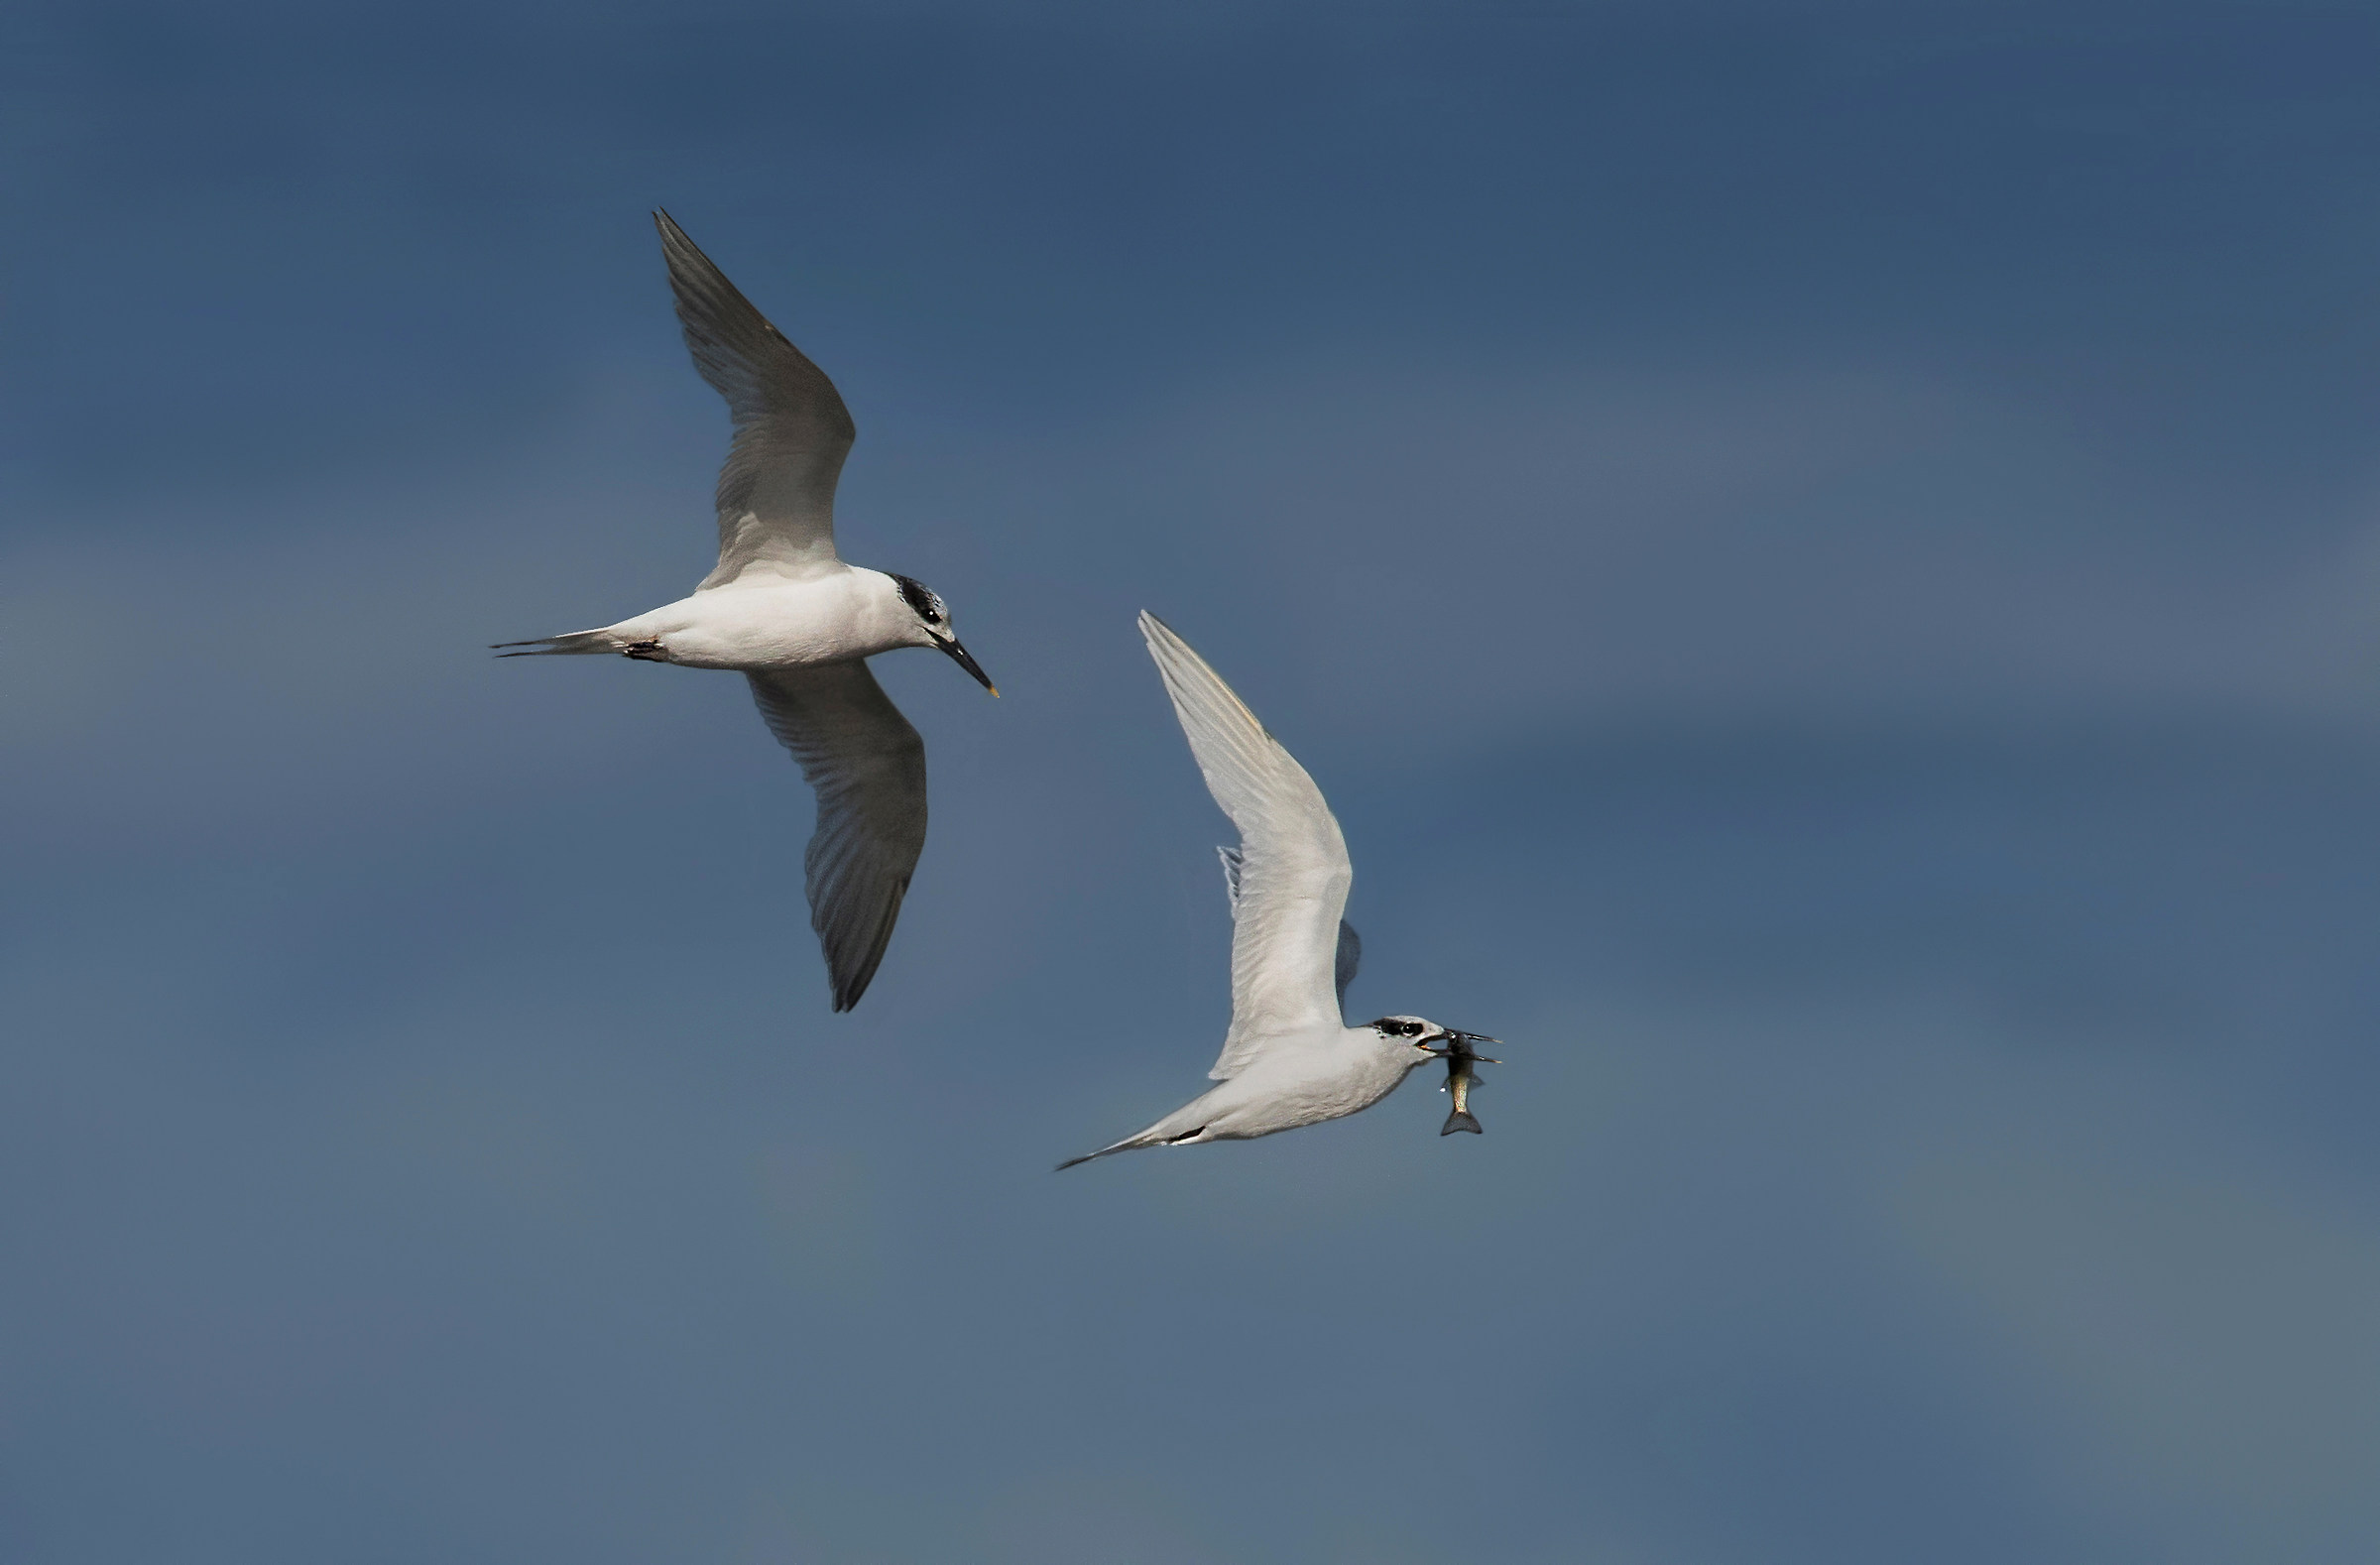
(1350, 955)
(777, 492)
(1292, 869)
(869, 768)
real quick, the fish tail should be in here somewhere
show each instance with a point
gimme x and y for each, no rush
(1460, 1120)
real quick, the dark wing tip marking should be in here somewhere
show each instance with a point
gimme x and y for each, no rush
(853, 975)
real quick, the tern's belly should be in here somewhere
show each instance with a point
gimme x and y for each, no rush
(1307, 1090)
(769, 627)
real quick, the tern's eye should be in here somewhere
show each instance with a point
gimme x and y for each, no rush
(920, 598)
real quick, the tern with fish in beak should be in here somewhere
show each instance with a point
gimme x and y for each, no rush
(1289, 1058)
(782, 609)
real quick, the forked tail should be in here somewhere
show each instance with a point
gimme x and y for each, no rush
(1147, 1137)
(550, 645)
(1460, 1120)
(1105, 1151)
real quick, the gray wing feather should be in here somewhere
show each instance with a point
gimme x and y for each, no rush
(1350, 957)
(1344, 963)
(777, 491)
(868, 765)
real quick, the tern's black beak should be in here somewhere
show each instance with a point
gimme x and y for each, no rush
(1457, 1042)
(958, 655)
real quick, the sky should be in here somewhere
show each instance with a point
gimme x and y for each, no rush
(1827, 558)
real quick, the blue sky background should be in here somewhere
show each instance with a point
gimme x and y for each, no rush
(1825, 555)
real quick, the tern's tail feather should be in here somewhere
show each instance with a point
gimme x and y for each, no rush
(1178, 1128)
(1125, 1146)
(548, 646)
(1460, 1120)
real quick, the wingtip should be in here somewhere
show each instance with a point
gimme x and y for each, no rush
(673, 238)
(1159, 635)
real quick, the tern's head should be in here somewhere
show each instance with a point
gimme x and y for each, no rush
(1425, 1039)
(1411, 1034)
(933, 626)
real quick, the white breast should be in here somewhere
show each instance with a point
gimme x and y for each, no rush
(765, 621)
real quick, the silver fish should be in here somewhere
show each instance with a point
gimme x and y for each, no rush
(1460, 1056)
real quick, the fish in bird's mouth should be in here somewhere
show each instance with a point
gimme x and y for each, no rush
(1460, 1058)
